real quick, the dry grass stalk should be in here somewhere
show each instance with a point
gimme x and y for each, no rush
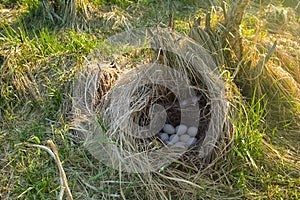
(61, 169)
(231, 36)
(63, 178)
(67, 13)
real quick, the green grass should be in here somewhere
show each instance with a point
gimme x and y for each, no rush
(34, 83)
(37, 67)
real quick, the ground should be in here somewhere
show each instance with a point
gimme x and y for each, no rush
(39, 59)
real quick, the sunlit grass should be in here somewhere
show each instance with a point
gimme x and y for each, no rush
(37, 68)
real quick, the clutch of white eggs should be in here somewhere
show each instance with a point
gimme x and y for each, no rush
(180, 136)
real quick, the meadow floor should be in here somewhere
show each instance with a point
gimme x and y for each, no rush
(40, 57)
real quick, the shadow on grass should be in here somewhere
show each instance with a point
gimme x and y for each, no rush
(106, 17)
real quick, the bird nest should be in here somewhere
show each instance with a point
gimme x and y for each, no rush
(172, 105)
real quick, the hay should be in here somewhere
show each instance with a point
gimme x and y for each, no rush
(133, 111)
(178, 84)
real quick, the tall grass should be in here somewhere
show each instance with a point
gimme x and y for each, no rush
(37, 67)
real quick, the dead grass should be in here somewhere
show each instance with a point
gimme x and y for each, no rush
(278, 78)
(35, 99)
(112, 111)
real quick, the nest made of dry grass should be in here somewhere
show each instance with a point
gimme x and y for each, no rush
(102, 106)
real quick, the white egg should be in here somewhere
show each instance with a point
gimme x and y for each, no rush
(192, 131)
(184, 138)
(180, 144)
(168, 128)
(192, 141)
(164, 136)
(181, 129)
(174, 138)
(169, 143)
